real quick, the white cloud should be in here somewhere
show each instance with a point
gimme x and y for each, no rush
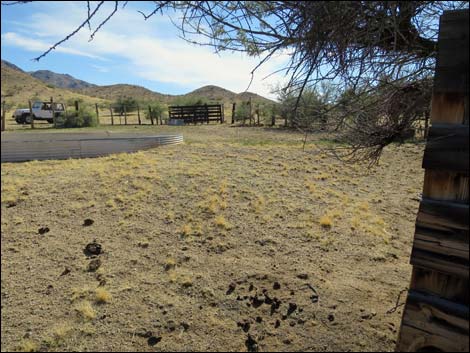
(36, 45)
(150, 49)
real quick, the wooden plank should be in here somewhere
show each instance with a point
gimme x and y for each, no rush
(450, 80)
(447, 148)
(442, 185)
(442, 263)
(442, 242)
(448, 108)
(443, 215)
(443, 285)
(432, 322)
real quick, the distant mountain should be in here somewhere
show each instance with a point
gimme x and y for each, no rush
(207, 93)
(60, 80)
(10, 65)
(113, 92)
(45, 82)
(17, 87)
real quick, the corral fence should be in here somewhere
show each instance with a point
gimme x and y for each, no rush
(194, 114)
(128, 115)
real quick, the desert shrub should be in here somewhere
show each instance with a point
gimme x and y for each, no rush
(156, 112)
(84, 117)
(190, 101)
(128, 103)
(242, 111)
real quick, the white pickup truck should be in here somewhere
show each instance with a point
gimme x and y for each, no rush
(41, 111)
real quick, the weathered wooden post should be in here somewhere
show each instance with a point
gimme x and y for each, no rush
(233, 113)
(436, 314)
(138, 114)
(97, 113)
(125, 115)
(223, 114)
(112, 117)
(3, 116)
(150, 115)
(426, 124)
(251, 112)
(31, 116)
(53, 112)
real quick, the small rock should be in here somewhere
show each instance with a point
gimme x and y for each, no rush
(185, 326)
(276, 286)
(171, 326)
(231, 288)
(65, 272)
(88, 222)
(251, 344)
(302, 276)
(144, 333)
(43, 230)
(368, 315)
(292, 308)
(257, 301)
(331, 318)
(153, 340)
(245, 326)
(93, 248)
(94, 265)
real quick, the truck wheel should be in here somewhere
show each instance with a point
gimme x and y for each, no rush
(19, 120)
(26, 119)
(50, 121)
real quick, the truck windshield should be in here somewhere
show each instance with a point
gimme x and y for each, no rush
(37, 105)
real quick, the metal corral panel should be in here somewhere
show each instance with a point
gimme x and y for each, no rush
(40, 146)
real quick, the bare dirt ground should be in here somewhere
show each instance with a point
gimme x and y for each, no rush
(236, 240)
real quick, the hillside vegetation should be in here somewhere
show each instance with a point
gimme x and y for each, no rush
(18, 87)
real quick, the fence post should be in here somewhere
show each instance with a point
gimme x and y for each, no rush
(273, 120)
(426, 124)
(138, 114)
(257, 114)
(31, 115)
(150, 114)
(3, 116)
(97, 113)
(125, 115)
(112, 117)
(251, 112)
(233, 113)
(223, 114)
(53, 112)
(76, 105)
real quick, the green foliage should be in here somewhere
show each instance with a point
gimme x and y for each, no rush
(190, 101)
(84, 117)
(156, 112)
(312, 108)
(242, 111)
(128, 104)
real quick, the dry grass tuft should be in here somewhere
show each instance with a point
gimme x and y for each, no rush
(85, 310)
(27, 346)
(102, 295)
(326, 222)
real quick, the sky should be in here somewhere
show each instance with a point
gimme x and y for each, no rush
(127, 49)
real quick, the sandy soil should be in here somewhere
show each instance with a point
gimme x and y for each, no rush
(236, 240)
